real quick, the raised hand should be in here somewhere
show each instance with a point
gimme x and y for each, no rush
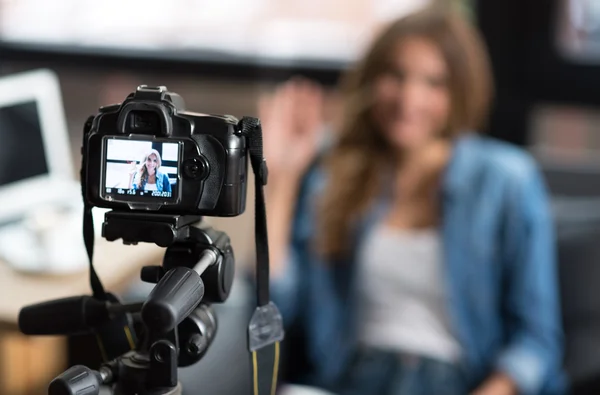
(292, 118)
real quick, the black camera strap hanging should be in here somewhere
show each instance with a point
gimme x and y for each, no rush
(265, 331)
(117, 335)
(88, 226)
(88, 237)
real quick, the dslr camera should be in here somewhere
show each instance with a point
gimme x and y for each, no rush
(148, 153)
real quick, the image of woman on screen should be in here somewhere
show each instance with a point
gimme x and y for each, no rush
(148, 177)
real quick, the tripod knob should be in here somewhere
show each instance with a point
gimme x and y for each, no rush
(77, 380)
(174, 298)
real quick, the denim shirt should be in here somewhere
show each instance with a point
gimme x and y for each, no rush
(500, 262)
(162, 182)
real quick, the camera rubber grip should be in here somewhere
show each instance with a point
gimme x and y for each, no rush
(173, 299)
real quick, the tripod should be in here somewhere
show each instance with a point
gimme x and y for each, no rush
(175, 324)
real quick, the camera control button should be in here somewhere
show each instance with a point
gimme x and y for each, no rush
(196, 168)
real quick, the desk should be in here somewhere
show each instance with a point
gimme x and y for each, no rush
(28, 364)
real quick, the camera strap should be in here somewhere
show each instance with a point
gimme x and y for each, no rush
(88, 239)
(88, 226)
(118, 335)
(265, 331)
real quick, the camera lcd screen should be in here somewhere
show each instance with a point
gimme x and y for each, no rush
(141, 170)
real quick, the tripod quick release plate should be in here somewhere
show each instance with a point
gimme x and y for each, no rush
(134, 227)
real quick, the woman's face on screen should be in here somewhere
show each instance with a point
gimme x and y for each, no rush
(151, 163)
(412, 99)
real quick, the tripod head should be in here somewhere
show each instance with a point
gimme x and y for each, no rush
(175, 325)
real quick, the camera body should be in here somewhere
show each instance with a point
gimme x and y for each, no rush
(189, 163)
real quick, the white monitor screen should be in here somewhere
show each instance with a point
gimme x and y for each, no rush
(35, 155)
(22, 153)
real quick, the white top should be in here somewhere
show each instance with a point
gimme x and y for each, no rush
(401, 283)
(150, 187)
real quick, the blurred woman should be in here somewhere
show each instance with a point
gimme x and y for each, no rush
(416, 255)
(148, 177)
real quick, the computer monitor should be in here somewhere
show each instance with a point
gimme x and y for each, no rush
(35, 156)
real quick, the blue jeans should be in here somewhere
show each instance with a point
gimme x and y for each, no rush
(376, 372)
